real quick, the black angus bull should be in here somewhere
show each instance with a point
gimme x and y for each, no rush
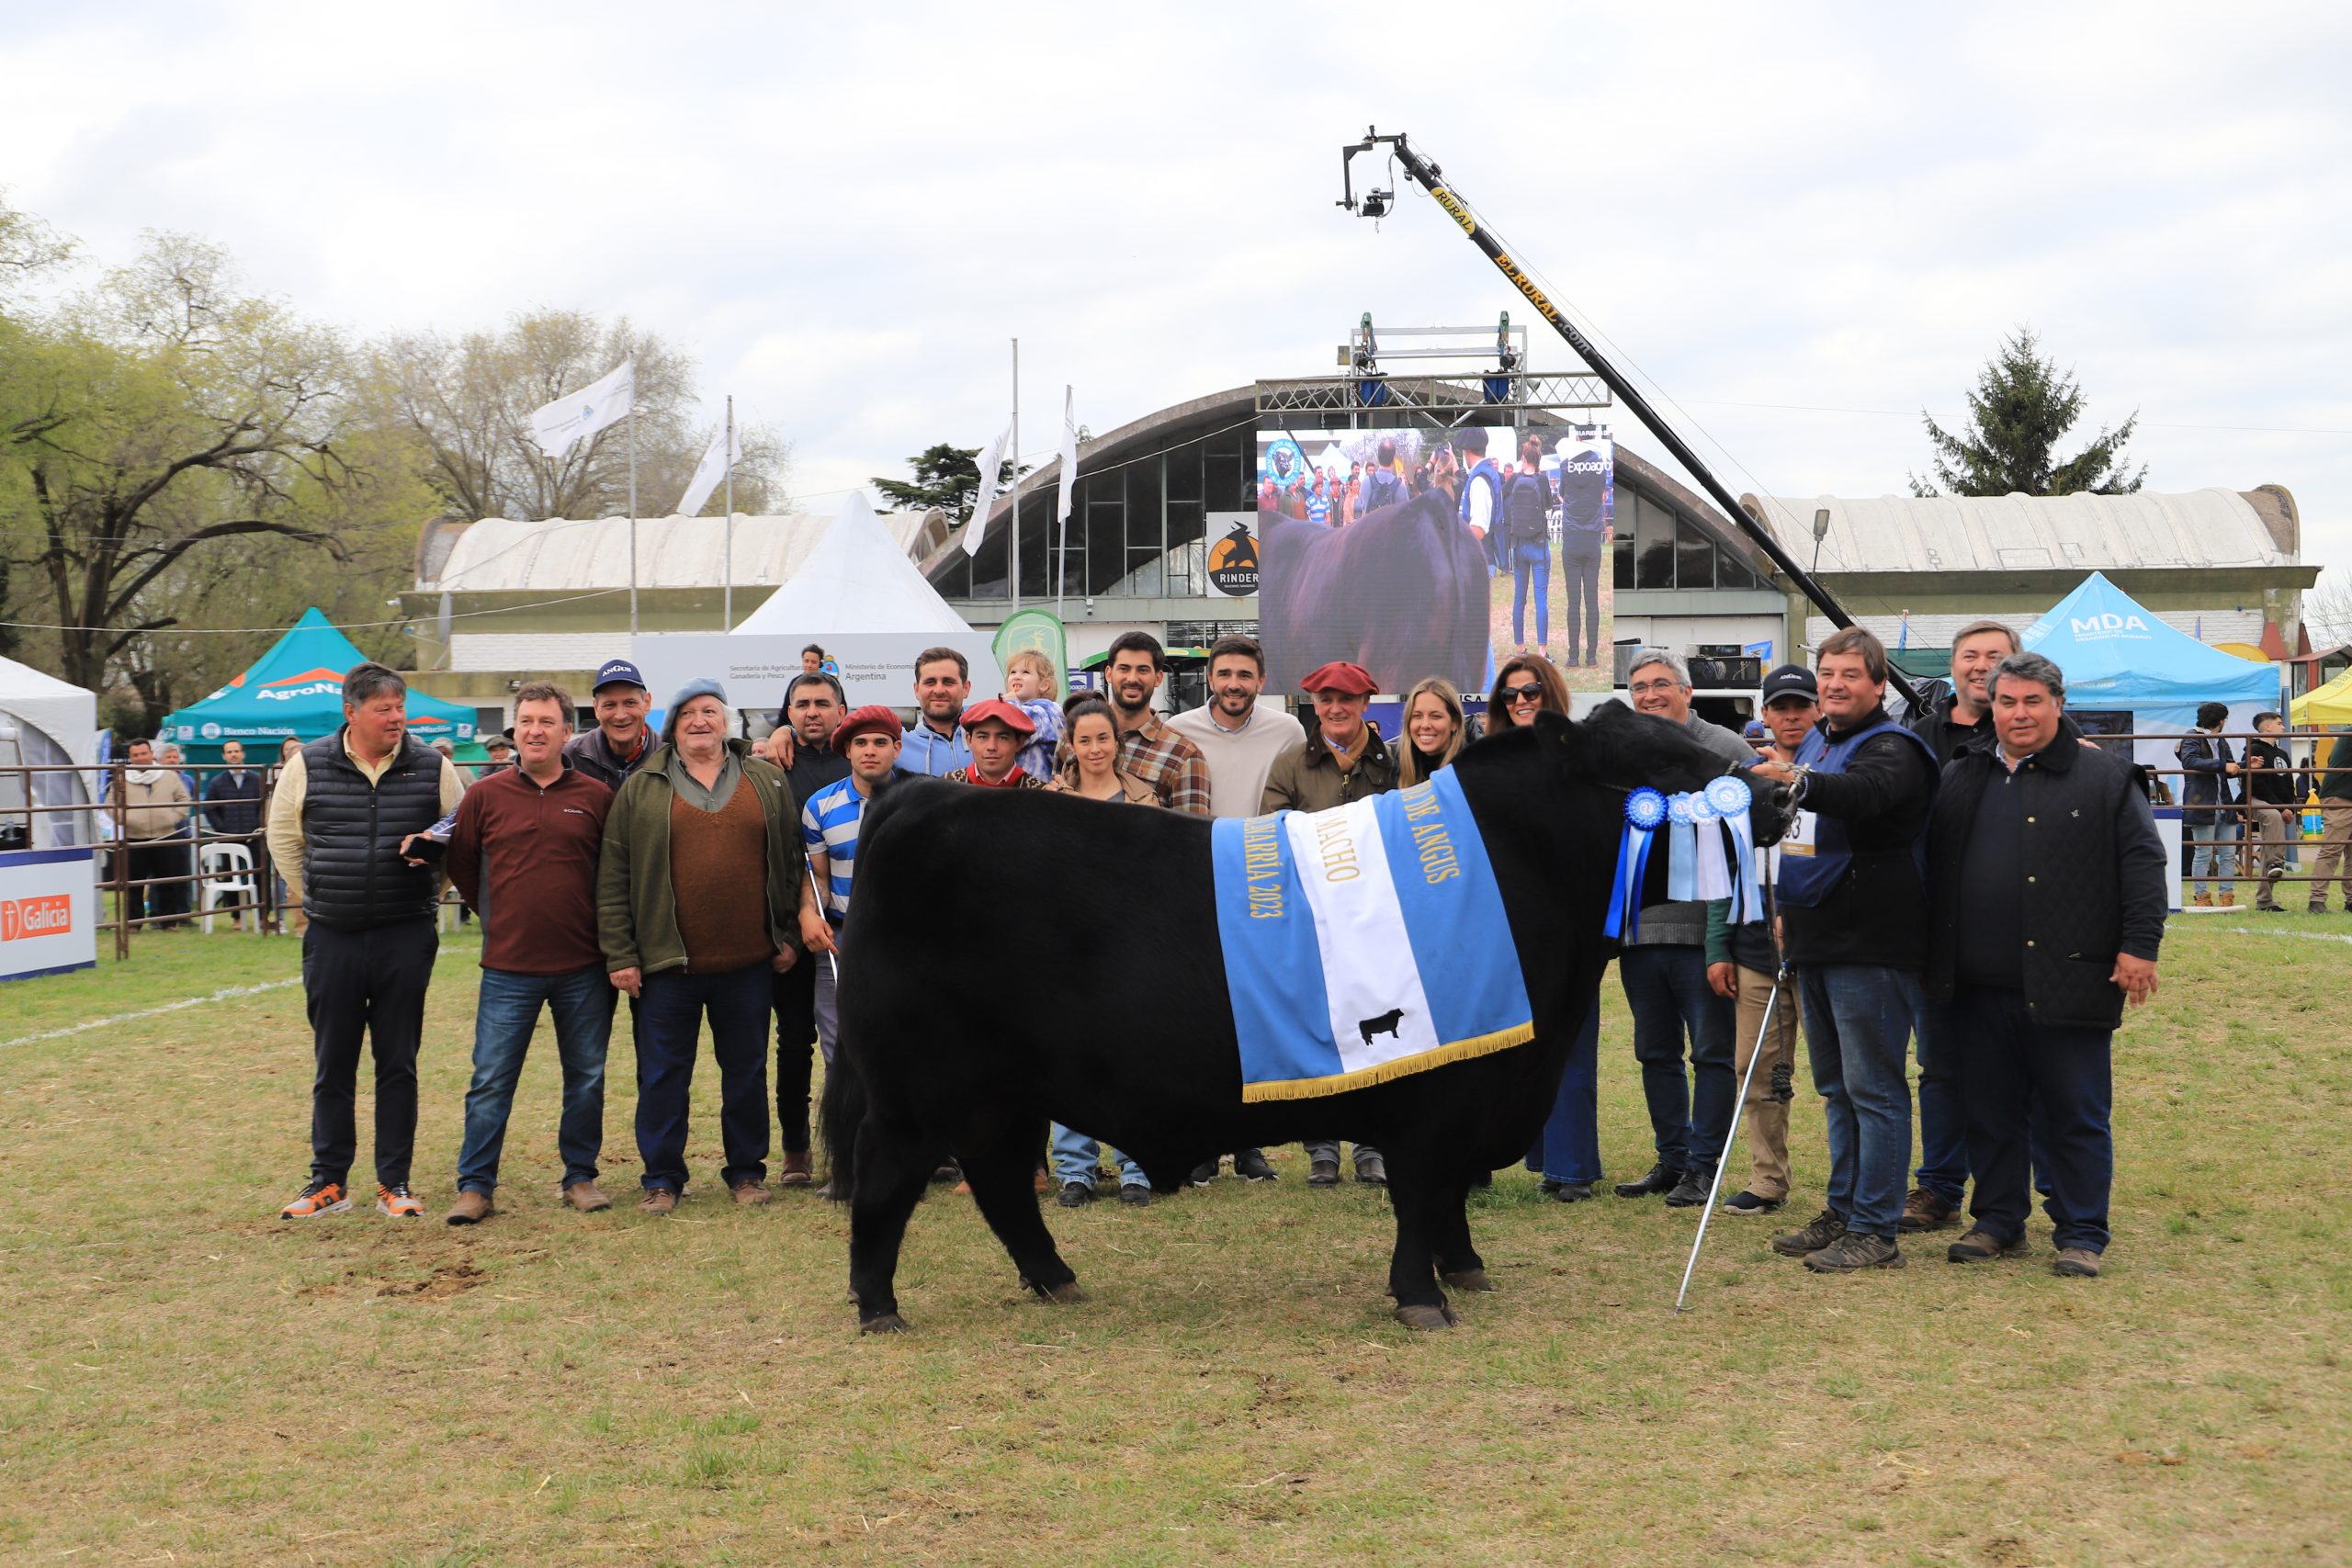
(1104, 1006)
(1402, 592)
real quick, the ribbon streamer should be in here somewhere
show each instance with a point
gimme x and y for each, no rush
(1712, 878)
(1731, 797)
(1645, 810)
(1682, 850)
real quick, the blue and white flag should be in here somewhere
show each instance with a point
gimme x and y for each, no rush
(1364, 942)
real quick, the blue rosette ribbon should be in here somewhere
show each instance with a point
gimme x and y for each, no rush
(1645, 809)
(1731, 799)
(1683, 850)
(1712, 877)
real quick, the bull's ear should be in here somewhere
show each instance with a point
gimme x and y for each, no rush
(1564, 741)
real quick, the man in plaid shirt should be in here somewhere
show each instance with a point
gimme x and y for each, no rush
(1154, 754)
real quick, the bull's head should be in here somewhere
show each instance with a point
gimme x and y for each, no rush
(1621, 750)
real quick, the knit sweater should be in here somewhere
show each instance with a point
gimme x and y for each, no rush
(1240, 760)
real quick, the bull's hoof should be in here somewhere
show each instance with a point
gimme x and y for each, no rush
(1067, 1293)
(1428, 1317)
(1468, 1279)
(882, 1322)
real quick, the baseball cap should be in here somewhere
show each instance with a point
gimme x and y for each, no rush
(1756, 730)
(1790, 680)
(618, 669)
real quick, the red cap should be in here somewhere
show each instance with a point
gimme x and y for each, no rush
(1353, 679)
(1003, 711)
(873, 717)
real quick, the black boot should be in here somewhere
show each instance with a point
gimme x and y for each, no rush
(1661, 1178)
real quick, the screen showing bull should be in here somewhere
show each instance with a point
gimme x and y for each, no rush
(1422, 550)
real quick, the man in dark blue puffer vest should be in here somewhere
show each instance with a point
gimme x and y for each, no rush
(340, 822)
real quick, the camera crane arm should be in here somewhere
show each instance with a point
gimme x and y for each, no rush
(1376, 204)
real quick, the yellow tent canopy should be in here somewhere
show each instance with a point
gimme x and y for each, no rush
(2244, 650)
(2330, 703)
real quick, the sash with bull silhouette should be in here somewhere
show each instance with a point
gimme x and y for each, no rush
(1364, 942)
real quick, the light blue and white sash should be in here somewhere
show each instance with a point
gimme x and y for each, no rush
(1364, 942)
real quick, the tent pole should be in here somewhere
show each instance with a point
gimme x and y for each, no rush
(632, 517)
(727, 565)
(1014, 571)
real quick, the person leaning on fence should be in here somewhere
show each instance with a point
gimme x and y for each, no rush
(2208, 802)
(2334, 860)
(2274, 809)
(1854, 925)
(156, 806)
(345, 809)
(1744, 964)
(233, 805)
(1567, 1151)
(534, 832)
(2047, 907)
(691, 835)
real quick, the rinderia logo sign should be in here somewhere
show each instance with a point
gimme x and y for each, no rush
(2103, 624)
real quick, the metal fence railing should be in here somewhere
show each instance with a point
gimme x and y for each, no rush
(2229, 830)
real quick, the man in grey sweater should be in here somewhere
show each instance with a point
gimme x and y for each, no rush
(1664, 969)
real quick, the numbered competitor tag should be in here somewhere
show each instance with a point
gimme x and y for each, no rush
(1802, 836)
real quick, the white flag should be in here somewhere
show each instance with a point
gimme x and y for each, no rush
(1069, 451)
(725, 449)
(991, 461)
(581, 414)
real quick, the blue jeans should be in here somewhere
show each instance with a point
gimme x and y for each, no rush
(1944, 1126)
(669, 1027)
(2220, 856)
(1856, 1029)
(1568, 1148)
(1074, 1155)
(505, 1013)
(2064, 1076)
(1666, 984)
(1530, 561)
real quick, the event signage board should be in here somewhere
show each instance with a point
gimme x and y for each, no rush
(48, 912)
(875, 667)
(1417, 551)
(1233, 553)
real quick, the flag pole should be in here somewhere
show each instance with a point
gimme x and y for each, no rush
(1014, 541)
(1061, 562)
(632, 511)
(727, 563)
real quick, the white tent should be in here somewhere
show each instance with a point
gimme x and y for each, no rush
(857, 579)
(52, 723)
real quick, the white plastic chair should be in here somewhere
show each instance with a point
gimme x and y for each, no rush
(227, 869)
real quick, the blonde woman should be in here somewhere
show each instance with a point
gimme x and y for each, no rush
(1435, 729)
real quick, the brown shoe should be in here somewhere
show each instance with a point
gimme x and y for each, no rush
(2229, 900)
(471, 1209)
(2075, 1262)
(2203, 900)
(796, 1172)
(658, 1201)
(750, 1194)
(1923, 1211)
(1982, 1246)
(587, 1197)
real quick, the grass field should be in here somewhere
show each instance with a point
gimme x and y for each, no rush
(189, 1380)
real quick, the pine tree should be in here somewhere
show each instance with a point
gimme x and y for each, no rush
(2021, 407)
(946, 477)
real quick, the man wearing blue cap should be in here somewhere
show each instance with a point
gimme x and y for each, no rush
(620, 742)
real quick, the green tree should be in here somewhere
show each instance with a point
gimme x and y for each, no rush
(156, 421)
(468, 401)
(2023, 405)
(946, 477)
(27, 246)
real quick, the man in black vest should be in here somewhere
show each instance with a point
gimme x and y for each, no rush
(1854, 912)
(814, 706)
(2049, 893)
(341, 817)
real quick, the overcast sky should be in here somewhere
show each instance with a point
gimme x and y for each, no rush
(1804, 223)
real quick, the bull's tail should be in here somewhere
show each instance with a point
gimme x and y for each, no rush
(839, 1116)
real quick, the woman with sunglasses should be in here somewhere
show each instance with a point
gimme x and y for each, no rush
(1567, 1151)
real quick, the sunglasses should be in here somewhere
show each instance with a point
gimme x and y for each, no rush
(1528, 693)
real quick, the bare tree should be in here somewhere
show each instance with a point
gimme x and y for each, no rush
(469, 402)
(2327, 609)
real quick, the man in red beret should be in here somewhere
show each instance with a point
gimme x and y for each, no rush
(996, 731)
(1343, 760)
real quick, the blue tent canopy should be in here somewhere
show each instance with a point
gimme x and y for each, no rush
(297, 689)
(2118, 655)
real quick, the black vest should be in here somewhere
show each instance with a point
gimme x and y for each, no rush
(353, 876)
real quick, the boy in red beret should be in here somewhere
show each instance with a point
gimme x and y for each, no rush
(996, 731)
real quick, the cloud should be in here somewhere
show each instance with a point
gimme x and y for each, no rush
(845, 218)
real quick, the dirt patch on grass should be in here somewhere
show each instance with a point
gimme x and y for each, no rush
(453, 1279)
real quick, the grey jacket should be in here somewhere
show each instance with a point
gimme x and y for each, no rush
(1683, 923)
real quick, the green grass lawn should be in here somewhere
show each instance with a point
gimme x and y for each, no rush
(188, 1380)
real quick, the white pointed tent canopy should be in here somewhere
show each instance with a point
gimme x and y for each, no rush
(857, 596)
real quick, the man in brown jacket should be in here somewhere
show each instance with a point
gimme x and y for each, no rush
(1343, 760)
(155, 803)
